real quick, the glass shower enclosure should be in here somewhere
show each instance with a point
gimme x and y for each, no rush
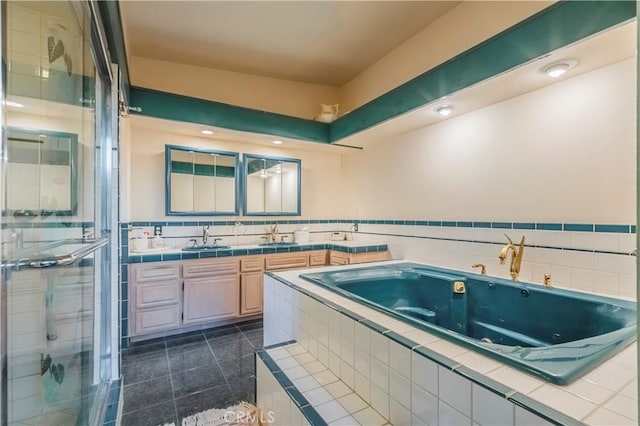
(55, 197)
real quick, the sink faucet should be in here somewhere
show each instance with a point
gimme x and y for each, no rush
(215, 241)
(516, 256)
(272, 236)
(205, 235)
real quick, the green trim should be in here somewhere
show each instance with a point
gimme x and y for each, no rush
(193, 110)
(557, 26)
(112, 23)
(187, 168)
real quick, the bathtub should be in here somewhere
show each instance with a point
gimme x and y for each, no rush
(555, 334)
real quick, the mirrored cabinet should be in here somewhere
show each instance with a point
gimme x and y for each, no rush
(272, 186)
(201, 182)
(41, 172)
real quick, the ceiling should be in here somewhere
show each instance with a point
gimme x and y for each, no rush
(321, 42)
(606, 48)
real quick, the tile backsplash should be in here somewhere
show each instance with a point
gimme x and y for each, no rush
(589, 257)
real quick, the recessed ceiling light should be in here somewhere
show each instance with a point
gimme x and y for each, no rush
(206, 132)
(558, 68)
(12, 104)
(444, 110)
(277, 142)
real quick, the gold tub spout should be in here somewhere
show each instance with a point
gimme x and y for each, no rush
(482, 266)
(547, 280)
(516, 256)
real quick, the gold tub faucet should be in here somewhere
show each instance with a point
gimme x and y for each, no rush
(482, 266)
(516, 256)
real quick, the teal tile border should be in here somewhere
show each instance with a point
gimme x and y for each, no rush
(545, 226)
(288, 387)
(557, 26)
(186, 255)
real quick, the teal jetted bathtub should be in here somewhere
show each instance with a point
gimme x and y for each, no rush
(555, 334)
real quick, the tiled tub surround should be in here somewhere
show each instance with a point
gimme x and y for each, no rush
(411, 376)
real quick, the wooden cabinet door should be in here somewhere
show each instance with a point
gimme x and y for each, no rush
(338, 258)
(209, 299)
(157, 294)
(251, 293)
(157, 319)
(318, 258)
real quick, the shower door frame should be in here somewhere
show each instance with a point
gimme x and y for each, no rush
(106, 133)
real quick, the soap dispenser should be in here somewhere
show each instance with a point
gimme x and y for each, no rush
(157, 241)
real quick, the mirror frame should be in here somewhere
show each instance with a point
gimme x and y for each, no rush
(73, 164)
(245, 160)
(167, 187)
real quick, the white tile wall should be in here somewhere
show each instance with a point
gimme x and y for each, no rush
(612, 274)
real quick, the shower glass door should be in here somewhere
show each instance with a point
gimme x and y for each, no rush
(55, 215)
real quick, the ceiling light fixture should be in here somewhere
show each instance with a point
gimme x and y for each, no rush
(444, 110)
(277, 142)
(556, 69)
(206, 132)
(12, 104)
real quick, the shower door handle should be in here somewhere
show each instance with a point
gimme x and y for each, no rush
(64, 259)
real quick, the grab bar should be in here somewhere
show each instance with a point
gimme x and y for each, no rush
(63, 259)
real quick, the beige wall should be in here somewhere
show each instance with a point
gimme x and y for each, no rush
(563, 153)
(262, 93)
(321, 172)
(463, 27)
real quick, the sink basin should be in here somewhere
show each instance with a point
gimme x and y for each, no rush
(205, 248)
(279, 244)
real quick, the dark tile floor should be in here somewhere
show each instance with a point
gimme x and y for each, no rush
(173, 377)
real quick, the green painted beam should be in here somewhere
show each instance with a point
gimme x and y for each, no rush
(559, 25)
(193, 110)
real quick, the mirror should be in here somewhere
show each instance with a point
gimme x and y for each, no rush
(272, 186)
(41, 172)
(201, 182)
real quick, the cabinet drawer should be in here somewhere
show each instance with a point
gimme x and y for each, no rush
(338, 258)
(157, 294)
(374, 256)
(156, 273)
(251, 265)
(318, 258)
(212, 268)
(286, 262)
(150, 320)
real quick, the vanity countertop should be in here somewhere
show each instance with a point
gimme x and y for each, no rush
(166, 254)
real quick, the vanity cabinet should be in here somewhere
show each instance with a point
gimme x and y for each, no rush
(251, 270)
(342, 258)
(154, 298)
(251, 293)
(210, 291)
(169, 296)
